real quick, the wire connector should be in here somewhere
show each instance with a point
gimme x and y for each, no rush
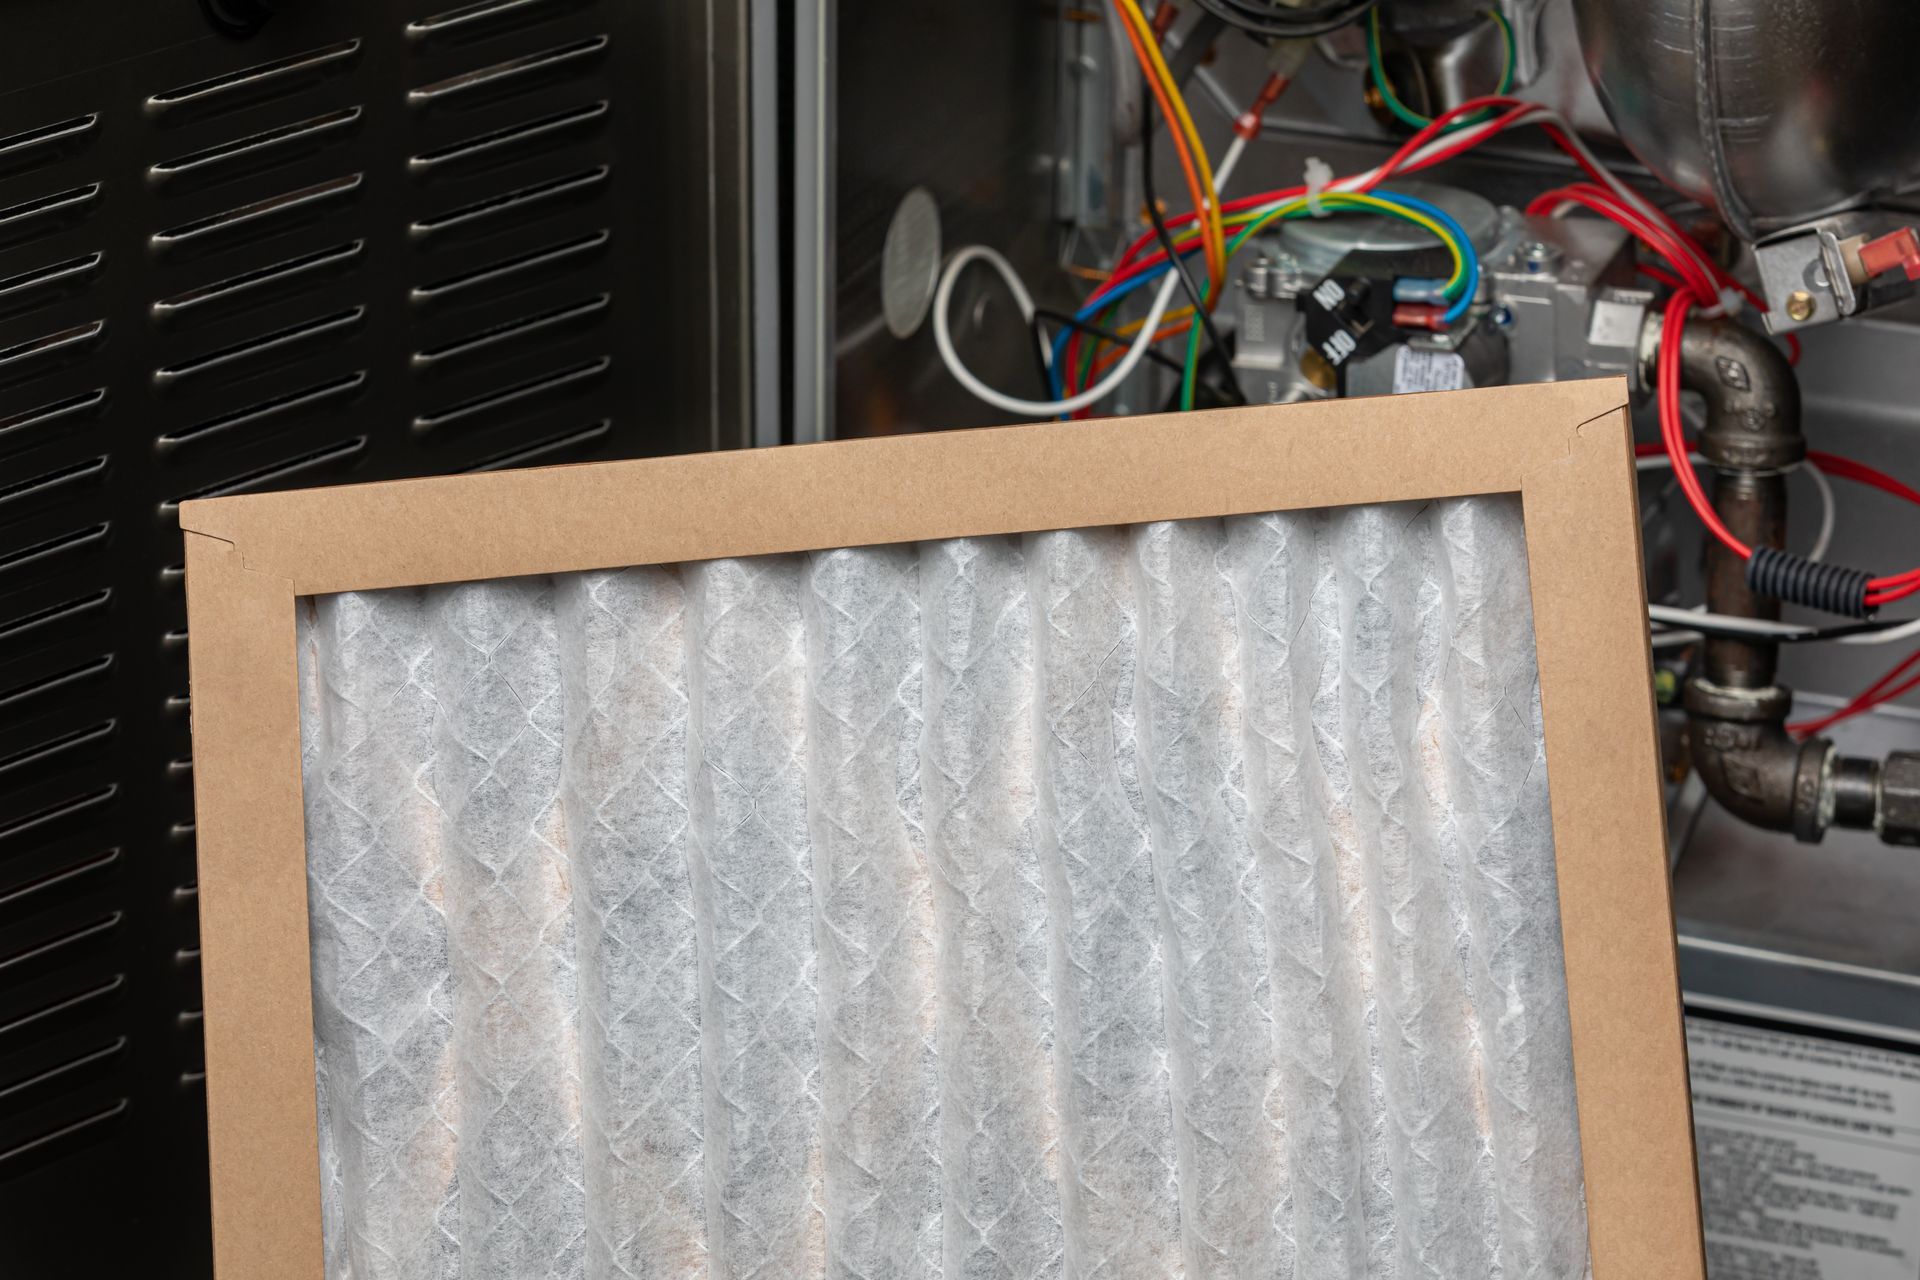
(1896, 251)
(1319, 175)
(1795, 579)
(1248, 124)
(1419, 289)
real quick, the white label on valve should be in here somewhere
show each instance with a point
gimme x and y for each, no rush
(1417, 370)
(1615, 324)
(1809, 1154)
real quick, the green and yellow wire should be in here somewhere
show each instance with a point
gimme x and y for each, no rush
(1253, 222)
(1407, 115)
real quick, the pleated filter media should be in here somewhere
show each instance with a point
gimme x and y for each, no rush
(1175, 900)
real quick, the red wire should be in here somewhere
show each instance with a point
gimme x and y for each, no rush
(1666, 240)
(1834, 464)
(1878, 598)
(1672, 431)
(1671, 281)
(1872, 696)
(1848, 469)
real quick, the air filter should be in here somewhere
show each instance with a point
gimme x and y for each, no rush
(1172, 899)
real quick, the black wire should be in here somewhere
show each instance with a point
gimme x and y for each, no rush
(1274, 22)
(1706, 628)
(1041, 357)
(1095, 331)
(1201, 315)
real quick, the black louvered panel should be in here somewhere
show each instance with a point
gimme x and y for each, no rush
(373, 240)
(510, 111)
(65, 893)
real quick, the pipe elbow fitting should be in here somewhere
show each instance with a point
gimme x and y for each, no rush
(1752, 766)
(1752, 395)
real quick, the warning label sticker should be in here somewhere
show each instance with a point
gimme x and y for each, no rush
(1809, 1154)
(1417, 370)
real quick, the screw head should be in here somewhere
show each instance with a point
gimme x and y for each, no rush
(1800, 305)
(1537, 256)
(1315, 369)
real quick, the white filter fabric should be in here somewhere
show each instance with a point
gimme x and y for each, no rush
(1174, 900)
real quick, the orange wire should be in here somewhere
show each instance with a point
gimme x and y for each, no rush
(1215, 247)
(1105, 362)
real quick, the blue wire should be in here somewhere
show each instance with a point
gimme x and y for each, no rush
(1459, 233)
(1088, 312)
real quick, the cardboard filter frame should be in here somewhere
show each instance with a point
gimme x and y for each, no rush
(1565, 448)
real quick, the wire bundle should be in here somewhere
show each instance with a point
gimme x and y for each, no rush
(1450, 134)
(1078, 376)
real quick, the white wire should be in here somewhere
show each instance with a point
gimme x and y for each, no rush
(1676, 639)
(1828, 518)
(943, 336)
(1892, 636)
(1824, 539)
(1036, 408)
(1670, 615)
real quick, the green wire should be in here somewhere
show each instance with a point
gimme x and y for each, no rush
(1191, 369)
(1407, 115)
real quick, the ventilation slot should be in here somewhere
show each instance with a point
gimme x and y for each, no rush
(505, 79)
(92, 538)
(42, 356)
(521, 272)
(54, 750)
(491, 150)
(53, 482)
(22, 426)
(80, 1070)
(332, 458)
(464, 413)
(36, 219)
(255, 154)
(69, 611)
(254, 85)
(60, 1142)
(32, 290)
(256, 288)
(43, 955)
(251, 222)
(283, 347)
(268, 415)
(546, 449)
(52, 1017)
(43, 891)
(502, 339)
(20, 695)
(477, 21)
(38, 148)
(516, 208)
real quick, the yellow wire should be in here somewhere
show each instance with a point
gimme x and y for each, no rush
(1216, 240)
(1212, 231)
(1172, 317)
(1362, 200)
